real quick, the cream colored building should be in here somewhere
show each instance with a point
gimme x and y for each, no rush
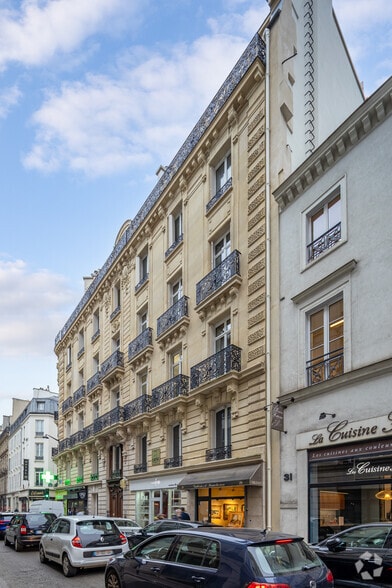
(163, 367)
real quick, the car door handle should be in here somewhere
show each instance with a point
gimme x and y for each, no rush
(156, 569)
(198, 579)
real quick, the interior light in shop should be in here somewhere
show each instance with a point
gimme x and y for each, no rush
(384, 495)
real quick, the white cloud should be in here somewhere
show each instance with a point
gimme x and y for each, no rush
(9, 97)
(40, 29)
(33, 307)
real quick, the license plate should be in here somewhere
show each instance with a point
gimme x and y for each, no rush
(38, 532)
(102, 553)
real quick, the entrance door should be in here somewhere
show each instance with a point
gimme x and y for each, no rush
(115, 501)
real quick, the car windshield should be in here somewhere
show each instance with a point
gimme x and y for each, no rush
(281, 557)
(365, 536)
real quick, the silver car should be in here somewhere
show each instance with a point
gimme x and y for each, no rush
(126, 526)
(77, 542)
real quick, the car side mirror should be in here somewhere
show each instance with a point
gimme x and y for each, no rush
(335, 544)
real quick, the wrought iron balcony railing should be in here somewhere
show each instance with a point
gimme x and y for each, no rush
(116, 474)
(76, 438)
(141, 342)
(325, 367)
(324, 242)
(141, 283)
(221, 274)
(108, 419)
(94, 477)
(219, 194)
(173, 314)
(67, 404)
(138, 468)
(113, 363)
(115, 312)
(174, 245)
(64, 444)
(218, 453)
(173, 462)
(95, 335)
(177, 386)
(140, 405)
(79, 394)
(93, 382)
(216, 365)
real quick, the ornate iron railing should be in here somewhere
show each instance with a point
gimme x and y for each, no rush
(216, 365)
(67, 404)
(177, 386)
(173, 314)
(141, 283)
(325, 367)
(79, 394)
(76, 438)
(95, 336)
(89, 431)
(64, 444)
(174, 245)
(93, 382)
(172, 462)
(108, 419)
(219, 194)
(141, 342)
(325, 241)
(116, 474)
(111, 363)
(138, 468)
(140, 405)
(115, 312)
(218, 453)
(218, 276)
(94, 477)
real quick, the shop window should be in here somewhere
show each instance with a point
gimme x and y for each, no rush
(326, 342)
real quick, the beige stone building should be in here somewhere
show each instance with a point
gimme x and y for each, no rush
(163, 367)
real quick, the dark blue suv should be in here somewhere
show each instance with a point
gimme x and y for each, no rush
(219, 558)
(5, 518)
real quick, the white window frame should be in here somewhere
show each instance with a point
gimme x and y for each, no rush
(142, 266)
(143, 382)
(224, 337)
(219, 255)
(143, 321)
(116, 296)
(39, 427)
(220, 179)
(176, 363)
(338, 188)
(39, 451)
(176, 291)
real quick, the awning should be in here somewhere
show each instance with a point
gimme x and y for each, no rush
(247, 475)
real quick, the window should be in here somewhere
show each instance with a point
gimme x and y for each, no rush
(223, 172)
(116, 343)
(96, 323)
(143, 321)
(116, 297)
(221, 438)
(80, 421)
(81, 342)
(68, 428)
(143, 383)
(39, 428)
(40, 406)
(221, 249)
(116, 460)
(38, 476)
(80, 467)
(69, 356)
(81, 377)
(39, 451)
(176, 291)
(143, 451)
(142, 268)
(177, 227)
(176, 364)
(95, 410)
(96, 363)
(326, 342)
(176, 449)
(115, 398)
(222, 335)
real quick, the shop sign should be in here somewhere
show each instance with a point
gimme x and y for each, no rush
(345, 431)
(366, 469)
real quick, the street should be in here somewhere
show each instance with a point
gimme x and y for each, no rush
(22, 569)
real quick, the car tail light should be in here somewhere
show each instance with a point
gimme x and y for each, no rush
(23, 530)
(265, 585)
(76, 541)
(329, 577)
(123, 539)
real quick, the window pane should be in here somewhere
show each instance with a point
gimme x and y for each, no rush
(334, 212)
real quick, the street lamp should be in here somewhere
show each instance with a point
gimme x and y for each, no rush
(49, 437)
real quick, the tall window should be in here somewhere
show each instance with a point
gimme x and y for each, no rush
(223, 172)
(96, 363)
(69, 356)
(96, 322)
(81, 341)
(143, 321)
(116, 296)
(80, 421)
(39, 451)
(115, 398)
(222, 335)
(95, 410)
(143, 383)
(143, 450)
(176, 364)
(326, 342)
(142, 267)
(176, 291)
(39, 428)
(38, 476)
(222, 435)
(221, 249)
(324, 225)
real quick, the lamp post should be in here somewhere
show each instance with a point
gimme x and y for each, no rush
(46, 436)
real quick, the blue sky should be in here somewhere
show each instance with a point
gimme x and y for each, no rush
(87, 116)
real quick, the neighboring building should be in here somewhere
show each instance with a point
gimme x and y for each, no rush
(336, 325)
(4, 432)
(31, 470)
(162, 365)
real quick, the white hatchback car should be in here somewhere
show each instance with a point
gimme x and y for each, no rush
(77, 542)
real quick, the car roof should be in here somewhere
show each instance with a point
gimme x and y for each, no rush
(78, 518)
(243, 534)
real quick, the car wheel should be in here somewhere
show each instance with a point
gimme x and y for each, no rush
(18, 545)
(68, 569)
(42, 557)
(112, 580)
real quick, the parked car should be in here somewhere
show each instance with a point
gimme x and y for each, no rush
(77, 542)
(5, 518)
(25, 529)
(160, 526)
(360, 555)
(127, 526)
(219, 558)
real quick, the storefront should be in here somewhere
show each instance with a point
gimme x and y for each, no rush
(153, 497)
(350, 483)
(76, 500)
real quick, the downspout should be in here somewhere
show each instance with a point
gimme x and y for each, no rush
(268, 282)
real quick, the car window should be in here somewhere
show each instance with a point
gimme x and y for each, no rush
(365, 536)
(281, 557)
(63, 526)
(153, 527)
(168, 526)
(158, 548)
(38, 519)
(197, 551)
(125, 523)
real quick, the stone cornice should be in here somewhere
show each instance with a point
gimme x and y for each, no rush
(355, 128)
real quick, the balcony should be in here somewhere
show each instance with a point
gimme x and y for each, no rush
(177, 386)
(174, 246)
(324, 242)
(138, 406)
(116, 475)
(108, 419)
(219, 364)
(139, 468)
(64, 444)
(227, 273)
(219, 194)
(67, 404)
(94, 477)
(113, 367)
(141, 347)
(173, 462)
(79, 395)
(94, 383)
(218, 453)
(141, 283)
(172, 316)
(76, 438)
(325, 367)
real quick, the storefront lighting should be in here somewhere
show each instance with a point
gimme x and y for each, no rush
(384, 495)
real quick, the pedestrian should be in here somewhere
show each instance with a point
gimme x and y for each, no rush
(184, 515)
